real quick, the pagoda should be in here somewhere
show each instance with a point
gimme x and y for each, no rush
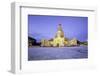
(59, 40)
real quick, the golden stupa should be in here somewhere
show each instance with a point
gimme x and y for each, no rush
(59, 40)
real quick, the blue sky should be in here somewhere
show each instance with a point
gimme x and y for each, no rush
(45, 27)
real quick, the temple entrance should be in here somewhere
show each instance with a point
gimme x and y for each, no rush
(57, 44)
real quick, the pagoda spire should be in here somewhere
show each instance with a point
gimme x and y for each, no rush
(60, 27)
(60, 32)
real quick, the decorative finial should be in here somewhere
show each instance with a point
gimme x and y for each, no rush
(60, 27)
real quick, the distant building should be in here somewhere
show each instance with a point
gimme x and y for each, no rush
(59, 40)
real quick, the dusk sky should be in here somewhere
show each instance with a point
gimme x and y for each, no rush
(45, 27)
